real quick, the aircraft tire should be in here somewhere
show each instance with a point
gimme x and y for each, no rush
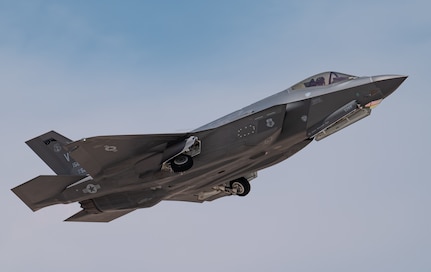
(181, 163)
(241, 185)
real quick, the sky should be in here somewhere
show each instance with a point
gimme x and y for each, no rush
(356, 201)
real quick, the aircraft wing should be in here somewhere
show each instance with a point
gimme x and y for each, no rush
(110, 154)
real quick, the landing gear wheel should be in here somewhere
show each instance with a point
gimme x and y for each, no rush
(181, 163)
(241, 186)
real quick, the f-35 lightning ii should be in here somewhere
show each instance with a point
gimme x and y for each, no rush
(111, 176)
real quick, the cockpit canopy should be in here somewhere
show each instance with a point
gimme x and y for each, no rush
(322, 79)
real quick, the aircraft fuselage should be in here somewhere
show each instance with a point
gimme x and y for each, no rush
(221, 157)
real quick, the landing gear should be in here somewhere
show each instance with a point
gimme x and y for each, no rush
(181, 163)
(240, 187)
(179, 157)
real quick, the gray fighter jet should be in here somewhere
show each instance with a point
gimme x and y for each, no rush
(111, 176)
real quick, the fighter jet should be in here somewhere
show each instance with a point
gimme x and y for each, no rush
(111, 176)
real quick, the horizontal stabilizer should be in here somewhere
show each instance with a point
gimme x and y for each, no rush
(84, 216)
(43, 191)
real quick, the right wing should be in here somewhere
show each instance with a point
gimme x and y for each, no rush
(106, 155)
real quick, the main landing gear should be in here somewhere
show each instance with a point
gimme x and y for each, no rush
(182, 159)
(181, 163)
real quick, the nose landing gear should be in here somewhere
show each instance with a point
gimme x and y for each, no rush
(240, 187)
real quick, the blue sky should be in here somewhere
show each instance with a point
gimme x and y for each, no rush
(357, 201)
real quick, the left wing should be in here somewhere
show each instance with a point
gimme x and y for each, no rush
(106, 155)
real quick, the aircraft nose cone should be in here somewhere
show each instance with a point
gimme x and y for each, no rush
(388, 83)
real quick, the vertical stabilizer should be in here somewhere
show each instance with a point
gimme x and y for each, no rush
(50, 148)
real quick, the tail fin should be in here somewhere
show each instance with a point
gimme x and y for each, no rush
(50, 148)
